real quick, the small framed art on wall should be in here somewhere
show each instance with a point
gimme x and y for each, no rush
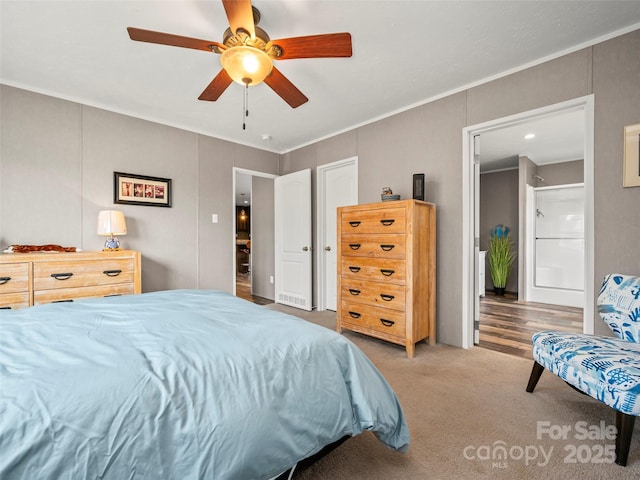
(131, 189)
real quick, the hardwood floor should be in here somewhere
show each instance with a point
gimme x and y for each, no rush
(506, 325)
(243, 290)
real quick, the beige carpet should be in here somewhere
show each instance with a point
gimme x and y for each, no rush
(462, 406)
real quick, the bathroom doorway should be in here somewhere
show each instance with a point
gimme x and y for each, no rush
(474, 143)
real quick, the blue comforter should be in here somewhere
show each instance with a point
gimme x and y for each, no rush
(183, 384)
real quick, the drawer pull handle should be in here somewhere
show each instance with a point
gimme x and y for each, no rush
(355, 314)
(354, 269)
(387, 272)
(386, 298)
(113, 295)
(63, 301)
(354, 224)
(62, 276)
(354, 246)
(353, 291)
(387, 323)
(387, 221)
(387, 247)
(5, 308)
(112, 273)
(4, 280)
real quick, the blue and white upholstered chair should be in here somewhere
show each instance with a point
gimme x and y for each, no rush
(605, 368)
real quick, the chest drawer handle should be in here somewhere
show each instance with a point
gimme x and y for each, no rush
(5, 308)
(386, 298)
(354, 269)
(387, 272)
(387, 221)
(62, 276)
(354, 224)
(387, 247)
(4, 280)
(387, 323)
(354, 246)
(112, 273)
(353, 291)
(113, 295)
(355, 314)
(63, 301)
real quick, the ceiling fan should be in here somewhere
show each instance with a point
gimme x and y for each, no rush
(247, 52)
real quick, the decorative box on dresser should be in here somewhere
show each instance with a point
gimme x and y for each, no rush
(28, 279)
(386, 271)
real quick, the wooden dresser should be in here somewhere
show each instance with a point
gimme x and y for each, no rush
(28, 279)
(386, 271)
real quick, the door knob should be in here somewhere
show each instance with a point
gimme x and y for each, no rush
(305, 249)
(328, 248)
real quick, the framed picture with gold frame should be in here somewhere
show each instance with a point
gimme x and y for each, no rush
(631, 168)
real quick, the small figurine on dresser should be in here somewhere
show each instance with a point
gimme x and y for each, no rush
(387, 195)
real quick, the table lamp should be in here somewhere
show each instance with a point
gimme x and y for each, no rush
(111, 223)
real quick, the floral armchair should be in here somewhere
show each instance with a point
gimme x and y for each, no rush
(605, 368)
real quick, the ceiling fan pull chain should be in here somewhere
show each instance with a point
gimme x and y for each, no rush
(245, 107)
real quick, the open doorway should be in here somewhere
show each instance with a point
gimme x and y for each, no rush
(518, 166)
(242, 250)
(551, 222)
(253, 236)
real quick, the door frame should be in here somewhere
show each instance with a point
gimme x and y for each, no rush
(321, 219)
(253, 173)
(469, 288)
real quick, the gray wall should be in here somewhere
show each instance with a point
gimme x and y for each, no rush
(428, 139)
(562, 173)
(499, 205)
(262, 237)
(56, 172)
(58, 158)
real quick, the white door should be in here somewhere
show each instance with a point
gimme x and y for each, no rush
(476, 241)
(337, 187)
(292, 214)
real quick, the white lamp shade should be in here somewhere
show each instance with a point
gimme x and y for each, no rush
(111, 222)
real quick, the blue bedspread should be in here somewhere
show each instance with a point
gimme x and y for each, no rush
(182, 384)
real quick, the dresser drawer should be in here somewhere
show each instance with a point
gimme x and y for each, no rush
(375, 246)
(379, 294)
(14, 300)
(388, 220)
(14, 277)
(379, 270)
(367, 317)
(82, 273)
(66, 294)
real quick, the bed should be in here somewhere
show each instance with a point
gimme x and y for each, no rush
(182, 384)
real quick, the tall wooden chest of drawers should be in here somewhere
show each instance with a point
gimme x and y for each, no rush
(28, 279)
(386, 271)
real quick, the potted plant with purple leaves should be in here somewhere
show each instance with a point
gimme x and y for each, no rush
(501, 257)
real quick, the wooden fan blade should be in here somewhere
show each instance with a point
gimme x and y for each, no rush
(240, 15)
(150, 36)
(283, 87)
(315, 46)
(218, 85)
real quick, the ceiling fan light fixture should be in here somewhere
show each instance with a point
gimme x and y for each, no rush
(246, 65)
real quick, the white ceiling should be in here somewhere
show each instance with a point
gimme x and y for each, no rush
(558, 137)
(405, 53)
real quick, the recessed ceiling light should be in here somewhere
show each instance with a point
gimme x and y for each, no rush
(529, 136)
(266, 137)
